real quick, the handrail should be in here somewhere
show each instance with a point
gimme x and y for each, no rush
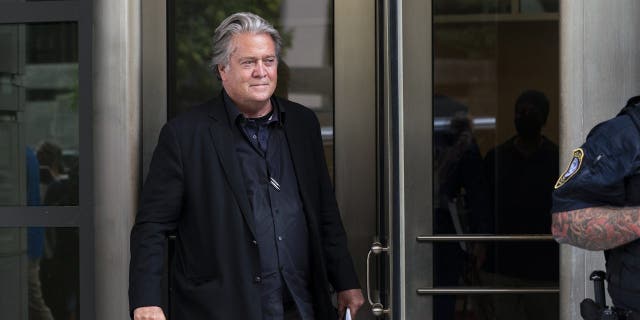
(484, 237)
(477, 290)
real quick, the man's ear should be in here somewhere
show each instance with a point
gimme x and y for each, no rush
(222, 72)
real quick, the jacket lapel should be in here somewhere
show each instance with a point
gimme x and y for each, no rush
(222, 136)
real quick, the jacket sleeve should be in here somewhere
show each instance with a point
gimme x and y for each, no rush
(158, 212)
(340, 268)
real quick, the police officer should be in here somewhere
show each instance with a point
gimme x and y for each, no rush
(596, 203)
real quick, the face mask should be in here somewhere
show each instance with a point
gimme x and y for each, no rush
(528, 126)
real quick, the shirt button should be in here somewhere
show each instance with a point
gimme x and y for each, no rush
(254, 137)
(280, 238)
(255, 243)
(257, 279)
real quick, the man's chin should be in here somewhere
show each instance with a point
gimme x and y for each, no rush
(262, 95)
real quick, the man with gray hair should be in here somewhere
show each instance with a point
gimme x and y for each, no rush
(243, 183)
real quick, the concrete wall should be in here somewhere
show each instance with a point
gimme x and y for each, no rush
(599, 71)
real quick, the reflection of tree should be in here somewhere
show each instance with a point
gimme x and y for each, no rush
(195, 21)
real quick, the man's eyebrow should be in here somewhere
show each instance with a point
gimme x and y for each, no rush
(255, 58)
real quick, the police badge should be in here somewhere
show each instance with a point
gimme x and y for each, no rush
(572, 169)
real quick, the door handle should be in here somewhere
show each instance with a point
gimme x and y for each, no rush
(377, 308)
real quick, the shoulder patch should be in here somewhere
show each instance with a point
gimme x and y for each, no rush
(572, 169)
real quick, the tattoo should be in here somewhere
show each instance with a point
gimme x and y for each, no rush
(597, 228)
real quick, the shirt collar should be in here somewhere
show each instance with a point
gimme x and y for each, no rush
(235, 115)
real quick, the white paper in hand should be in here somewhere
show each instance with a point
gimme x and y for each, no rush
(347, 315)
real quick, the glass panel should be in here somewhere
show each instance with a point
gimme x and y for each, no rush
(441, 7)
(497, 306)
(3, 1)
(496, 264)
(39, 272)
(495, 153)
(305, 70)
(495, 126)
(538, 6)
(39, 114)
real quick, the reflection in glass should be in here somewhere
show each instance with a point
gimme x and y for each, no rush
(520, 174)
(501, 306)
(39, 114)
(3, 1)
(481, 265)
(305, 70)
(495, 112)
(538, 6)
(471, 6)
(476, 264)
(461, 204)
(39, 272)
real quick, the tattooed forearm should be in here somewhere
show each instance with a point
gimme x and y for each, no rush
(597, 228)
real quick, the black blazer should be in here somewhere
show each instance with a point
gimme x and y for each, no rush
(195, 188)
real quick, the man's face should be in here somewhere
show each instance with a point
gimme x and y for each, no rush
(528, 120)
(251, 76)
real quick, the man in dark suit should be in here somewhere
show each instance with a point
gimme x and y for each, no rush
(243, 182)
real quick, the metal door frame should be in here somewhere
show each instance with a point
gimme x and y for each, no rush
(356, 118)
(414, 107)
(415, 163)
(358, 91)
(405, 159)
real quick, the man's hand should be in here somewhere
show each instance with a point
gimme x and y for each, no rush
(352, 299)
(148, 313)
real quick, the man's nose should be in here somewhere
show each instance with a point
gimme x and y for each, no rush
(260, 70)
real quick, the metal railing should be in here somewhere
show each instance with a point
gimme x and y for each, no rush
(484, 237)
(477, 290)
(485, 290)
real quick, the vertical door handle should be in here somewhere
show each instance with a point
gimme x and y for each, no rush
(377, 308)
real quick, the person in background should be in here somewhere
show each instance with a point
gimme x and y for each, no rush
(38, 309)
(521, 173)
(60, 266)
(460, 206)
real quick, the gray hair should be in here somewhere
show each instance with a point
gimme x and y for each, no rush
(237, 23)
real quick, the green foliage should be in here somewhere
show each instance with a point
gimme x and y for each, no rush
(195, 22)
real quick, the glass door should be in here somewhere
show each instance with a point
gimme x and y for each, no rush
(427, 110)
(328, 64)
(474, 137)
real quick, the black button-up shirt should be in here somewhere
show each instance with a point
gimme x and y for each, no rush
(281, 229)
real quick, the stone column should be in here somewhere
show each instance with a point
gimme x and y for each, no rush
(116, 125)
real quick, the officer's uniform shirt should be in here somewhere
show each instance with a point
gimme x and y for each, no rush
(600, 174)
(597, 172)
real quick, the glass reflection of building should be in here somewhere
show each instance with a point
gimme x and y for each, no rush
(486, 53)
(39, 266)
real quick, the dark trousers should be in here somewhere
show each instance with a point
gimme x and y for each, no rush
(290, 311)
